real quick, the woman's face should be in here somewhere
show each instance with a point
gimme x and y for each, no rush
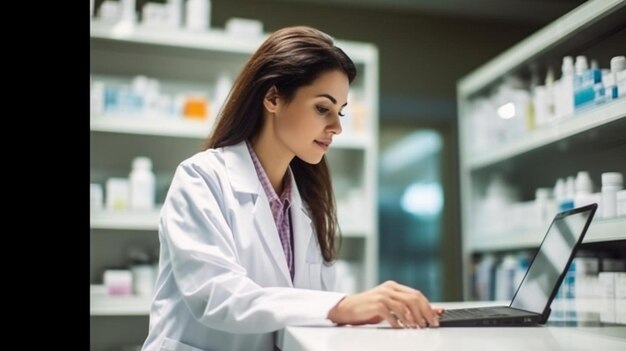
(307, 124)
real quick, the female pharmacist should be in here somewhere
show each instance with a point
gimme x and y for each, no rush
(247, 230)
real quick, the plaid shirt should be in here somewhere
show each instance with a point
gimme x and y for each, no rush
(279, 205)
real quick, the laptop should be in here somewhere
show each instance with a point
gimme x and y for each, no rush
(531, 302)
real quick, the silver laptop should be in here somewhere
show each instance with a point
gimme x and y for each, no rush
(531, 302)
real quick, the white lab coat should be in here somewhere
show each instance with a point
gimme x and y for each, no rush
(223, 280)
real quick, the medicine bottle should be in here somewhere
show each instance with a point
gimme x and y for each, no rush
(621, 203)
(612, 182)
(584, 189)
(142, 184)
(198, 15)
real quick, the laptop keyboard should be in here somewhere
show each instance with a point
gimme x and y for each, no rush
(471, 313)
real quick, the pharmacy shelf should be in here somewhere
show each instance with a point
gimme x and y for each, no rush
(347, 141)
(582, 121)
(599, 231)
(151, 126)
(149, 220)
(573, 24)
(594, 25)
(104, 305)
(213, 40)
(591, 309)
(191, 129)
(125, 220)
(354, 231)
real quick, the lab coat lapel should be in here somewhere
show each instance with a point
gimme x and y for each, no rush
(264, 222)
(302, 237)
(244, 179)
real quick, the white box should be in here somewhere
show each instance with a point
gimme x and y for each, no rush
(607, 285)
(118, 282)
(620, 285)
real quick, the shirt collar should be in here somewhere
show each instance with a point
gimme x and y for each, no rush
(285, 197)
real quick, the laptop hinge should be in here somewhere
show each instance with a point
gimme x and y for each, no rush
(545, 316)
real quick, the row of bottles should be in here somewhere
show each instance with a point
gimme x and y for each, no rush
(194, 15)
(516, 108)
(144, 97)
(134, 278)
(501, 212)
(590, 275)
(137, 192)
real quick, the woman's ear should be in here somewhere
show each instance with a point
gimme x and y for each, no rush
(270, 101)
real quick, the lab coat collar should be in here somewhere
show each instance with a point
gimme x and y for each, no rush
(241, 173)
(243, 179)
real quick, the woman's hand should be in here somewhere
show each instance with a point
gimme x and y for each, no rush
(399, 305)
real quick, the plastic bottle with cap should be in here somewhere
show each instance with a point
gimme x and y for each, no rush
(142, 270)
(142, 184)
(618, 74)
(621, 203)
(564, 94)
(128, 13)
(584, 189)
(559, 193)
(584, 82)
(570, 192)
(198, 14)
(544, 206)
(612, 182)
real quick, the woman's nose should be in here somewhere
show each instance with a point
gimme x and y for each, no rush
(335, 126)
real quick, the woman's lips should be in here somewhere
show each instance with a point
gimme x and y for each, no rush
(324, 144)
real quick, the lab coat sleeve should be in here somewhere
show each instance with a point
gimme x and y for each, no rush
(213, 285)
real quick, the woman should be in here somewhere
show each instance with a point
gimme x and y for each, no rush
(248, 227)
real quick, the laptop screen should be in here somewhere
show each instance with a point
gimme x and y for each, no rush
(551, 261)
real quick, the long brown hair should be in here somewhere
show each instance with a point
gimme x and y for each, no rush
(288, 59)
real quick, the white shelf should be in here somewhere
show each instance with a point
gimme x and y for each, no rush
(582, 121)
(104, 305)
(355, 231)
(599, 231)
(606, 230)
(213, 40)
(129, 220)
(151, 126)
(562, 29)
(149, 220)
(190, 129)
(347, 141)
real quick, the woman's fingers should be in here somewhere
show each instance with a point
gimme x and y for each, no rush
(399, 305)
(399, 310)
(415, 302)
(389, 316)
(427, 312)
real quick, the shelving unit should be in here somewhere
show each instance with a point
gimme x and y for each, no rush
(583, 121)
(149, 220)
(601, 230)
(125, 220)
(592, 139)
(199, 59)
(103, 305)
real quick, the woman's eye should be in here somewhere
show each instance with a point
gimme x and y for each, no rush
(321, 110)
(341, 113)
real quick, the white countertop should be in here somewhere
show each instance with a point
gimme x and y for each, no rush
(590, 335)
